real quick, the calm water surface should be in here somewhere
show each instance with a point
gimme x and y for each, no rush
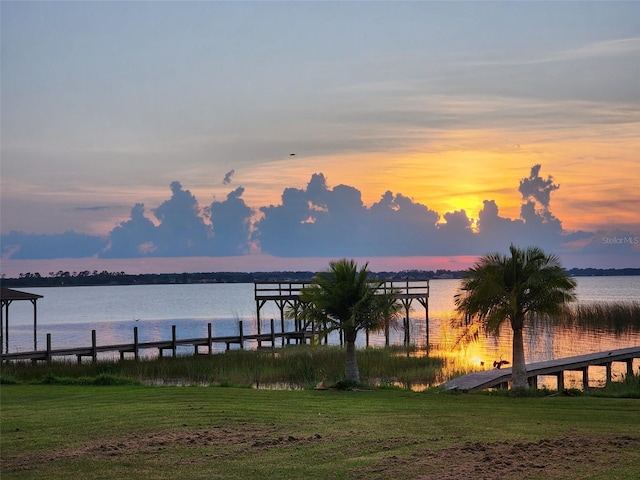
(70, 313)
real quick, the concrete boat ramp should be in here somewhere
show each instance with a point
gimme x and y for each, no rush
(500, 378)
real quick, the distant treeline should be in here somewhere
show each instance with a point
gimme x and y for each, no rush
(87, 278)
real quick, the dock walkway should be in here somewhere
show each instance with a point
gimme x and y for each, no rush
(499, 378)
(162, 345)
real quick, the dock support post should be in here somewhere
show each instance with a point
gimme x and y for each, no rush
(48, 348)
(273, 335)
(426, 312)
(425, 303)
(173, 339)
(35, 325)
(259, 330)
(2, 308)
(209, 334)
(241, 334)
(6, 329)
(258, 306)
(407, 331)
(135, 343)
(281, 307)
(94, 352)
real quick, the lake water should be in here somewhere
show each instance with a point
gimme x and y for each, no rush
(70, 313)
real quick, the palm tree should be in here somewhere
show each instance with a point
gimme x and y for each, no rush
(349, 301)
(514, 287)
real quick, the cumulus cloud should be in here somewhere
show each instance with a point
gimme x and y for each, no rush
(323, 221)
(456, 234)
(536, 188)
(397, 222)
(20, 245)
(609, 242)
(132, 238)
(182, 230)
(231, 220)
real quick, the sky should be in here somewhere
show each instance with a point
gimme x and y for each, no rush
(145, 136)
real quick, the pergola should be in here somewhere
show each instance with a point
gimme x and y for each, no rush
(7, 296)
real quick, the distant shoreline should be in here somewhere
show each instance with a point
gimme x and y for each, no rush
(104, 278)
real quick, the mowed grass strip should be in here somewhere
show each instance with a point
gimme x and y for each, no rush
(114, 432)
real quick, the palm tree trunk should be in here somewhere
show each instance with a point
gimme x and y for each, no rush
(519, 367)
(351, 371)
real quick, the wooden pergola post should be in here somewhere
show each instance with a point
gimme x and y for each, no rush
(7, 296)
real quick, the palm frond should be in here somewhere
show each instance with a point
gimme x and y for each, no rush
(501, 287)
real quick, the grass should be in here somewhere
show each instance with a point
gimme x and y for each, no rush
(614, 317)
(135, 431)
(99, 421)
(292, 367)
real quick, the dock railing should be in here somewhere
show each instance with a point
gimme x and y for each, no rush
(161, 346)
(287, 294)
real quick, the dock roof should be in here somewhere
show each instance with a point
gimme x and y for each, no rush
(9, 294)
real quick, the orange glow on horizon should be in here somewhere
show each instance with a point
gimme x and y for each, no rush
(458, 171)
(465, 168)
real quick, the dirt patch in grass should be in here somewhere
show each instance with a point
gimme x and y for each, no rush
(549, 458)
(216, 442)
(560, 458)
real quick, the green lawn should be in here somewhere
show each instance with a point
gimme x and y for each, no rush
(115, 432)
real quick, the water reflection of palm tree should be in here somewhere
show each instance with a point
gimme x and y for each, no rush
(514, 287)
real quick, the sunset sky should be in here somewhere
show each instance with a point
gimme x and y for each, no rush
(447, 105)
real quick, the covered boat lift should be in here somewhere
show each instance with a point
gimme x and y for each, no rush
(7, 296)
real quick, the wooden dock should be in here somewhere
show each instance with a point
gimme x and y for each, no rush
(162, 346)
(286, 294)
(500, 378)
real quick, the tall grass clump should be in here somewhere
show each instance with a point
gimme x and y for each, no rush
(399, 365)
(615, 317)
(629, 387)
(300, 366)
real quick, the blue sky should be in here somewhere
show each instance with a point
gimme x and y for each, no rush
(447, 104)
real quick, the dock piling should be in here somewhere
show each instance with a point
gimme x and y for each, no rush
(135, 343)
(94, 351)
(273, 334)
(48, 348)
(173, 339)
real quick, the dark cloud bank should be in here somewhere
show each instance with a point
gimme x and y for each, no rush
(319, 221)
